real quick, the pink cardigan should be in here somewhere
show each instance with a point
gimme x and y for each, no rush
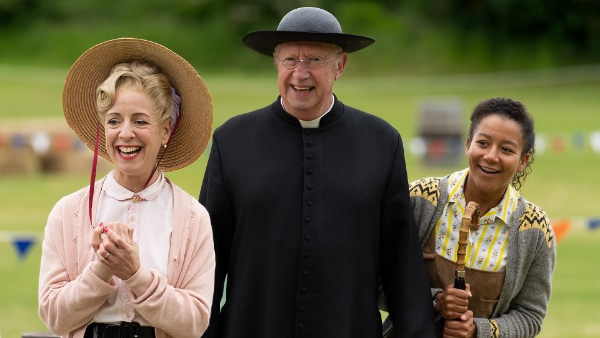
(71, 291)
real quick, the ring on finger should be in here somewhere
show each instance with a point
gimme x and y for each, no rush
(107, 254)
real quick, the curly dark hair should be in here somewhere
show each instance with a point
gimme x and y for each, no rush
(516, 111)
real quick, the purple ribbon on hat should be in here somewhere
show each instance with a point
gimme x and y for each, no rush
(176, 108)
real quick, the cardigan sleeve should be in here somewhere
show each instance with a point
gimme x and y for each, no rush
(68, 300)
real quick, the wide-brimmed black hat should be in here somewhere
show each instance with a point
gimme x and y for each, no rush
(306, 24)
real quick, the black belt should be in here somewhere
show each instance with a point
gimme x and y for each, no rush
(122, 330)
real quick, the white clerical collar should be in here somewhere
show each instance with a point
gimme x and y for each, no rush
(313, 123)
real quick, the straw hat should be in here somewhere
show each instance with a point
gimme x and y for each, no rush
(93, 67)
(306, 24)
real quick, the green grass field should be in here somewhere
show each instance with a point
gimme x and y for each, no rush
(564, 183)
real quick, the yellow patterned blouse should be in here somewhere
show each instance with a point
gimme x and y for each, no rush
(487, 246)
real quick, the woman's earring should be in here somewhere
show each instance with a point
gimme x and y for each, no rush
(164, 145)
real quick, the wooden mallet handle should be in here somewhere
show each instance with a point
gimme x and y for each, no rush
(470, 220)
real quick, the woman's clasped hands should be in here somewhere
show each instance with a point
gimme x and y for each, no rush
(115, 248)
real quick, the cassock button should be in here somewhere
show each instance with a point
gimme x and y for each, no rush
(309, 203)
(308, 237)
(301, 308)
(309, 144)
(309, 187)
(306, 255)
(309, 172)
(301, 326)
(309, 156)
(305, 273)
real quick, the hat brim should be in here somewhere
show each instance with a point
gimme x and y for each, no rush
(264, 42)
(93, 67)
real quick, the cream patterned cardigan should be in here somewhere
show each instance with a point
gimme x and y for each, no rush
(531, 258)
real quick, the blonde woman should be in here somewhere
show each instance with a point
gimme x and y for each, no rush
(132, 254)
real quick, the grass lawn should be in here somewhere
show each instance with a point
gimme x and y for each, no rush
(564, 183)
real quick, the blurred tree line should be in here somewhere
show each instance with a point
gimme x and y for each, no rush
(413, 36)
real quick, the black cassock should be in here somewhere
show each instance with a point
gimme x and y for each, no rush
(307, 223)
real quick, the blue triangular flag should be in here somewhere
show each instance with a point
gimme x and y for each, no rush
(594, 223)
(23, 245)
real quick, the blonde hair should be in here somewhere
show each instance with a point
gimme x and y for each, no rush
(138, 75)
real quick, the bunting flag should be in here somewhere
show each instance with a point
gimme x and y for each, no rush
(594, 223)
(579, 141)
(418, 146)
(540, 144)
(40, 143)
(62, 142)
(558, 142)
(560, 227)
(19, 141)
(21, 241)
(595, 141)
(23, 245)
(568, 141)
(79, 145)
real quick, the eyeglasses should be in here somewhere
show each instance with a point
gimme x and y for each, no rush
(311, 62)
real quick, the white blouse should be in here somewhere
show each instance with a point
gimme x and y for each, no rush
(151, 217)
